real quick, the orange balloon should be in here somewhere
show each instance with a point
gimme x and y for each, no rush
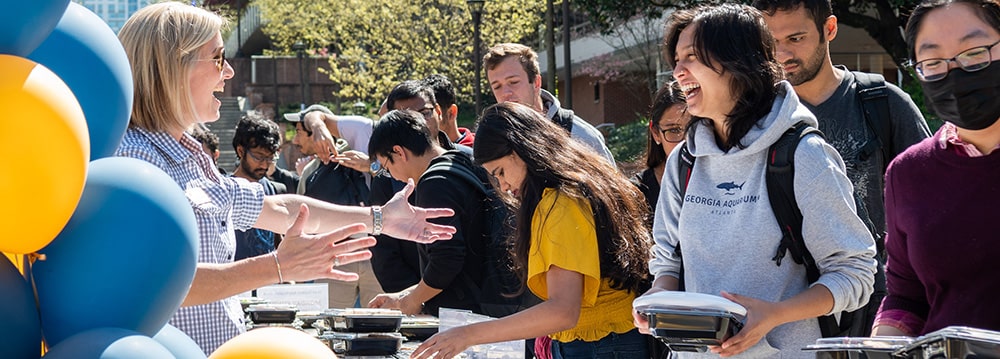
(273, 343)
(45, 134)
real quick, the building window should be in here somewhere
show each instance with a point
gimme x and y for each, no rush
(597, 92)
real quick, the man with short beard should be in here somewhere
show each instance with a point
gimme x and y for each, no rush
(256, 140)
(803, 30)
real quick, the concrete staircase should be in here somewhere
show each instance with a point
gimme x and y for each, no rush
(230, 113)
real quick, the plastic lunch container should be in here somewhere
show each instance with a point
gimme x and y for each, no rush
(690, 321)
(858, 348)
(954, 342)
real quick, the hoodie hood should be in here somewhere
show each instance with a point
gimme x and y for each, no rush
(550, 103)
(785, 112)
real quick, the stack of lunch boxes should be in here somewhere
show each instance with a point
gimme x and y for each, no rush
(363, 331)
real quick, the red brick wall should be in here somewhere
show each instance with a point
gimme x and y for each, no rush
(617, 102)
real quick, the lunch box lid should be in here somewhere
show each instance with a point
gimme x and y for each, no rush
(686, 300)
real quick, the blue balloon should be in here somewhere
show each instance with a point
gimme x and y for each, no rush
(25, 24)
(126, 258)
(108, 343)
(87, 55)
(20, 332)
(178, 343)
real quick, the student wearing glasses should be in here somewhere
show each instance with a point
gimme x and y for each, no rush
(943, 238)
(668, 119)
(176, 56)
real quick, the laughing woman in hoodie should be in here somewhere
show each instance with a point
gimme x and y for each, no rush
(723, 58)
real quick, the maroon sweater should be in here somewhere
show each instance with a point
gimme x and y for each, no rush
(943, 236)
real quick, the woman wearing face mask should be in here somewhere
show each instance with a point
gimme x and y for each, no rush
(723, 58)
(668, 118)
(943, 238)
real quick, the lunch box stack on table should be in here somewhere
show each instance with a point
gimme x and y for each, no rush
(948, 343)
(363, 331)
(690, 322)
(271, 315)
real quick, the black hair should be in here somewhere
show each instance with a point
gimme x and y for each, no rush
(404, 128)
(409, 89)
(987, 10)
(253, 130)
(554, 160)
(666, 97)
(820, 10)
(733, 39)
(205, 136)
(444, 92)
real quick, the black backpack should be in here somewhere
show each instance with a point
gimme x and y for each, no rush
(780, 180)
(340, 185)
(499, 282)
(874, 98)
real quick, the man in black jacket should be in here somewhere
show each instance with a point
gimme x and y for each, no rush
(403, 145)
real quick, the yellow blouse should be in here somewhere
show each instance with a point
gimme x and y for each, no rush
(563, 235)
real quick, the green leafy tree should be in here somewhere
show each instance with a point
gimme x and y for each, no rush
(375, 44)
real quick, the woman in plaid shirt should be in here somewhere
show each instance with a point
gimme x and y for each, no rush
(177, 59)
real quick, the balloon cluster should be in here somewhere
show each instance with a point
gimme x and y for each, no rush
(115, 239)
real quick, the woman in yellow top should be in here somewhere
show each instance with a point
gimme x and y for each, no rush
(580, 242)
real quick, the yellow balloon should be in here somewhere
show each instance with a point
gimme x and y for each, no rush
(17, 260)
(273, 343)
(45, 134)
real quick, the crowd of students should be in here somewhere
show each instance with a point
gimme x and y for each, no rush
(585, 240)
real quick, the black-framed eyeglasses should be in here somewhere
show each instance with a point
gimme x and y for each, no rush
(271, 159)
(220, 61)
(672, 134)
(971, 60)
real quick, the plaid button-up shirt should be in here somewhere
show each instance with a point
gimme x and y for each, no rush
(221, 204)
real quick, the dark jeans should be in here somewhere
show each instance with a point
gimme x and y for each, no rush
(630, 345)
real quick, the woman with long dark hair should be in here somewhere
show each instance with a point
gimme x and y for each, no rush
(579, 243)
(723, 60)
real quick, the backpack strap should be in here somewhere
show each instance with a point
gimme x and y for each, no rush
(780, 180)
(684, 166)
(873, 95)
(781, 192)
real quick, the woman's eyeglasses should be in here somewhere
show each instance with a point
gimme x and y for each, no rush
(220, 60)
(971, 60)
(673, 133)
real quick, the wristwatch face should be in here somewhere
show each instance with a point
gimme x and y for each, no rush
(375, 168)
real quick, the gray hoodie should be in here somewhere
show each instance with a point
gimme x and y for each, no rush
(729, 232)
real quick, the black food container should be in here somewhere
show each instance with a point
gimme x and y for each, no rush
(690, 322)
(954, 342)
(419, 327)
(858, 348)
(246, 302)
(358, 344)
(271, 314)
(362, 320)
(691, 330)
